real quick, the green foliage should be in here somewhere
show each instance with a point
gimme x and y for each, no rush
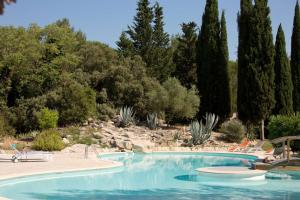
(5, 127)
(212, 62)
(126, 116)
(185, 55)
(47, 118)
(182, 103)
(74, 102)
(283, 78)
(295, 57)
(152, 121)
(105, 112)
(282, 125)
(233, 72)
(256, 97)
(201, 133)
(234, 131)
(49, 140)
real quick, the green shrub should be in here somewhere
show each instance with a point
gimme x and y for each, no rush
(234, 131)
(281, 125)
(49, 140)
(47, 118)
(105, 111)
(183, 104)
(5, 128)
(75, 102)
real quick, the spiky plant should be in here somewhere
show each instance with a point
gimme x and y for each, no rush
(202, 132)
(152, 121)
(126, 116)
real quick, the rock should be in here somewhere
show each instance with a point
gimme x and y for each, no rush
(85, 123)
(120, 144)
(101, 125)
(97, 135)
(128, 145)
(90, 120)
(66, 141)
(103, 140)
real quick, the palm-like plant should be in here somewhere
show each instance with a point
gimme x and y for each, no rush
(152, 121)
(202, 132)
(126, 116)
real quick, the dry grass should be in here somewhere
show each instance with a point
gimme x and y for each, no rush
(7, 141)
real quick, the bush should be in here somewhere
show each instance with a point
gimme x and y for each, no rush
(105, 111)
(183, 104)
(49, 140)
(5, 128)
(47, 118)
(281, 125)
(234, 131)
(75, 102)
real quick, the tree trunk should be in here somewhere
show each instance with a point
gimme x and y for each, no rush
(262, 132)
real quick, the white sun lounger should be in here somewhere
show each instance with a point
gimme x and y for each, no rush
(31, 155)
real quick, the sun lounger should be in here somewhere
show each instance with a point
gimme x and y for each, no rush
(256, 148)
(245, 143)
(31, 155)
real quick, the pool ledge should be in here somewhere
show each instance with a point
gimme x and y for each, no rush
(243, 171)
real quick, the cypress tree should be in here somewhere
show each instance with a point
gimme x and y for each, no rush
(259, 65)
(185, 55)
(283, 79)
(160, 62)
(125, 46)
(141, 31)
(295, 59)
(223, 101)
(244, 78)
(207, 58)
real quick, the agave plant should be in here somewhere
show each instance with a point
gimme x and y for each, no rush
(202, 132)
(126, 116)
(152, 121)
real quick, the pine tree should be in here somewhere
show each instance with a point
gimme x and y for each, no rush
(185, 55)
(141, 31)
(244, 77)
(207, 52)
(258, 65)
(125, 46)
(223, 101)
(160, 63)
(283, 79)
(295, 59)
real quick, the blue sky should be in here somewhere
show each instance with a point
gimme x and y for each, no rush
(103, 20)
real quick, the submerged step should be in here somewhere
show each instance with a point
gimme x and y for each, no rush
(232, 172)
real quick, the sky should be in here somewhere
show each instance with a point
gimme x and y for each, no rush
(104, 20)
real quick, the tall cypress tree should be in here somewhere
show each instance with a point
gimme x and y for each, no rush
(283, 79)
(223, 101)
(160, 62)
(141, 31)
(259, 65)
(185, 55)
(244, 78)
(207, 58)
(295, 59)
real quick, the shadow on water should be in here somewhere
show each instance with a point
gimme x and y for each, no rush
(210, 193)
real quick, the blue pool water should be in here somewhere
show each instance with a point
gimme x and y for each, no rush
(162, 176)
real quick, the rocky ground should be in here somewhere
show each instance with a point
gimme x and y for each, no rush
(106, 135)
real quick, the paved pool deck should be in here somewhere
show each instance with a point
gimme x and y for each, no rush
(62, 162)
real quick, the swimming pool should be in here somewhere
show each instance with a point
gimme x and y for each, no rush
(164, 176)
